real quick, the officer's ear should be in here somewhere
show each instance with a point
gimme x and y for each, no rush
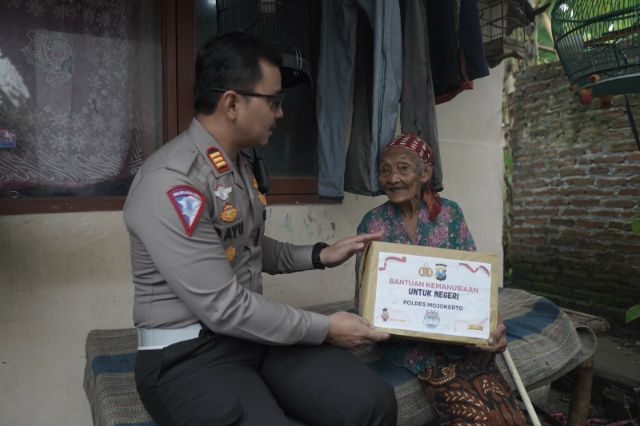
(228, 103)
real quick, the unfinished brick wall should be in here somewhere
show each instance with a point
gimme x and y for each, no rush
(576, 185)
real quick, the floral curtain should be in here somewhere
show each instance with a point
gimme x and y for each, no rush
(81, 90)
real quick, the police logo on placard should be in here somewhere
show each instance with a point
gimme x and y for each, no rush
(431, 319)
(189, 205)
(441, 271)
(385, 314)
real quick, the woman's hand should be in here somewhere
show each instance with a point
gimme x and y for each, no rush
(339, 252)
(497, 340)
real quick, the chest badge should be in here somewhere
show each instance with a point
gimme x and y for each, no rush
(189, 204)
(222, 192)
(230, 252)
(262, 198)
(229, 213)
(218, 160)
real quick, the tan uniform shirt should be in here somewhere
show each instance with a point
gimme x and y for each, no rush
(202, 260)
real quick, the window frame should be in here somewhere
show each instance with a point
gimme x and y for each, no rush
(168, 39)
(178, 46)
(284, 189)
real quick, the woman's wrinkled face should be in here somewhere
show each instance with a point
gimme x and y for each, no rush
(401, 175)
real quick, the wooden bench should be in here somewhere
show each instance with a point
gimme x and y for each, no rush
(542, 351)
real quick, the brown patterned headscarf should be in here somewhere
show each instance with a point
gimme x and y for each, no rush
(422, 149)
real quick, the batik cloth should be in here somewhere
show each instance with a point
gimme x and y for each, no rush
(470, 392)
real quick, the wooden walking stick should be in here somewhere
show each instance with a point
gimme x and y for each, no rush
(523, 392)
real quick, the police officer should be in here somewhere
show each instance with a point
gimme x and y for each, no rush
(212, 349)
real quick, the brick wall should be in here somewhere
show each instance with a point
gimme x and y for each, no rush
(575, 186)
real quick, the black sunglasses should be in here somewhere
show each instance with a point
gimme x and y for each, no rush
(274, 100)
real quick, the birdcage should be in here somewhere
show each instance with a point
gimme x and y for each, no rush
(503, 23)
(598, 43)
(284, 23)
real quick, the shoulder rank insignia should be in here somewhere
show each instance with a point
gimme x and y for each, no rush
(223, 192)
(229, 213)
(254, 183)
(218, 160)
(230, 252)
(189, 204)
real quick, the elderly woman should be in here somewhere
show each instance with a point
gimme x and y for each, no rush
(463, 383)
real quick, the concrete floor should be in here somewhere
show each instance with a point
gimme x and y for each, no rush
(618, 359)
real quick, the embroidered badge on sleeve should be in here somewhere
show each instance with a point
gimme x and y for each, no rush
(189, 203)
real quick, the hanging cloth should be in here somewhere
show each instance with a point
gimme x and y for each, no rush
(456, 47)
(358, 169)
(336, 67)
(418, 111)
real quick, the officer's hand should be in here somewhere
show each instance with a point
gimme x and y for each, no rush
(497, 340)
(341, 251)
(350, 331)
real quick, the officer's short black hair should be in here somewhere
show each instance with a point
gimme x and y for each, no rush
(229, 61)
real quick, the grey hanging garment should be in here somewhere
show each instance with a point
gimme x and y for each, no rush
(418, 111)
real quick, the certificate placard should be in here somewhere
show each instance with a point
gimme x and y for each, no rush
(428, 293)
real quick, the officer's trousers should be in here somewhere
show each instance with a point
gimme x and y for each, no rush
(221, 380)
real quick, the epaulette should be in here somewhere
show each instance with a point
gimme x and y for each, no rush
(221, 165)
(182, 160)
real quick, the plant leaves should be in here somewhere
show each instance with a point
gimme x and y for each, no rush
(633, 313)
(635, 225)
(508, 159)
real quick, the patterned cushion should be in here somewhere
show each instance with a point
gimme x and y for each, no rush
(543, 342)
(108, 378)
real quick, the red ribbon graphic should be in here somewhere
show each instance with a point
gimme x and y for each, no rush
(394, 258)
(475, 270)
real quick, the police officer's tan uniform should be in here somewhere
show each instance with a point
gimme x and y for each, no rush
(214, 274)
(206, 333)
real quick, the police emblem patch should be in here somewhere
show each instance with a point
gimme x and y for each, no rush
(229, 213)
(217, 159)
(230, 252)
(223, 192)
(189, 204)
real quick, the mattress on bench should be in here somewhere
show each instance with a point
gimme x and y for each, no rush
(543, 342)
